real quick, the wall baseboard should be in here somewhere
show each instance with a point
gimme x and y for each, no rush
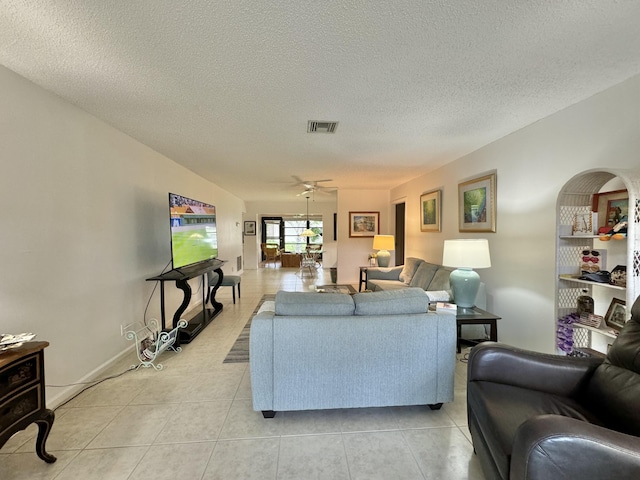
(54, 400)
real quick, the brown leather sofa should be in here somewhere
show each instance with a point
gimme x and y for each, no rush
(538, 416)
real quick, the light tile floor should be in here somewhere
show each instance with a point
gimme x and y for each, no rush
(194, 420)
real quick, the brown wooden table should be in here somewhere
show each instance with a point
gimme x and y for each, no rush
(22, 400)
(476, 316)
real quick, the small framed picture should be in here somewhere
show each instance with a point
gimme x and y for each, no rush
(430, 208)
(249, 227)
(584, 224)
(616, 314)
(364, 224)
(477, 204)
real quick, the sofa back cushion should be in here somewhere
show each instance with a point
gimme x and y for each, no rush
(614, 390)
(391, 302)
(310, 303)
(411, 264)
(440, 280)
(423, 276)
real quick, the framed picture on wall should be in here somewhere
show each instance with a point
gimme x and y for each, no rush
(364, 224)
(477, 204)
(249, 227)
(430, 208)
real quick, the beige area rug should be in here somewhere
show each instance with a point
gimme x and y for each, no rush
(239, 353)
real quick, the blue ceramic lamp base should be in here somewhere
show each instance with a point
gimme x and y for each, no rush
(383, 258)
(464, 285)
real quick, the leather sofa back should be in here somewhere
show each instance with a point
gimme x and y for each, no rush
(614, 390)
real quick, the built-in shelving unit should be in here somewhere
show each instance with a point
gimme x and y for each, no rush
(576, 197)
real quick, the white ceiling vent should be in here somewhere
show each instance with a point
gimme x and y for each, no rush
(314, 126)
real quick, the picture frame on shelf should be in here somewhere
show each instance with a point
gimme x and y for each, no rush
(249, 228)
(584, 224)
(619, 276)
(611, 206)
(364, 224)
(430, 209)
(477, 204)
(616, 314)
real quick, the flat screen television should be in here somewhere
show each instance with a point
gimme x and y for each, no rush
(193, 231)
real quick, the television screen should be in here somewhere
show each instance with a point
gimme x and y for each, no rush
(193, 231)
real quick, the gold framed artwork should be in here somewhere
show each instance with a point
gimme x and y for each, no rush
(430, 209)
(364, 224)
(477, 204)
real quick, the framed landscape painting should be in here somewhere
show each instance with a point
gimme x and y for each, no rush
(477, 204)
(249, 227)
(364, 224)
(430, 208)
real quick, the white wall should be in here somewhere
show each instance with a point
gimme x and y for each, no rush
(84, 222)
(532, 166)
(354, 252)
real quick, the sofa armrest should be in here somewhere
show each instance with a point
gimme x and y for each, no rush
(553, 446)
(261, 360)
(556, 374)
(382, 273)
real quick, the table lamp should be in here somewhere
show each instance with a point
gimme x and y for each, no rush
(465, 255)
(383, 243)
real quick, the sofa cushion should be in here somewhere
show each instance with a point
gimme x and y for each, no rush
(393, 302)
(411, 264)
(440, 280)
(499, 410)
(423, 275)
(310, 303)
(379, 285)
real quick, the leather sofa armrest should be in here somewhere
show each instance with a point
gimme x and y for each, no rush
(553, 446)
(383, 273)
(556, 374)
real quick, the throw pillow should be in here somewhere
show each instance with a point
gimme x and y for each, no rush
(438, 296)
(423, 276)
(411, 264)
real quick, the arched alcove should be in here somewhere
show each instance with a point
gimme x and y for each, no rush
(576, 198)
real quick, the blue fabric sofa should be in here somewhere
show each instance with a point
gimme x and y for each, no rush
(314, 351)
(432, 278)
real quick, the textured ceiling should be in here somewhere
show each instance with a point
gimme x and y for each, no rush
(226, 87)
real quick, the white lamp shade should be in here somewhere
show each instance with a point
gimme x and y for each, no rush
(466, 253)
(307, 232)
(383, 242)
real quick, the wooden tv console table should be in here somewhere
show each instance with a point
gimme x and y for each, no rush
(22, 399)
(181, 277)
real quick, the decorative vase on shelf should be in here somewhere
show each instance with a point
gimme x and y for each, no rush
(585, 303)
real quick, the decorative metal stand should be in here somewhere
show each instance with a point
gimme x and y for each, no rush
(151, 342)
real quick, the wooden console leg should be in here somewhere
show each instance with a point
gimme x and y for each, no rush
(268, 413)
(45, 422)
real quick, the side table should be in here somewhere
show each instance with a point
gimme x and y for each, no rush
(476, 316)
(363, 278)
(22, 399)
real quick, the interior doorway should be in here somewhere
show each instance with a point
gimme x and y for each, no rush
(272, 231)
(399, 233)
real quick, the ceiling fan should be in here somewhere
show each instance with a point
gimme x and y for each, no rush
(312, 186)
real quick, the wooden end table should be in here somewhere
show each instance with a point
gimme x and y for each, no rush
(363, 278)
(22, 400)
(476, 316)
